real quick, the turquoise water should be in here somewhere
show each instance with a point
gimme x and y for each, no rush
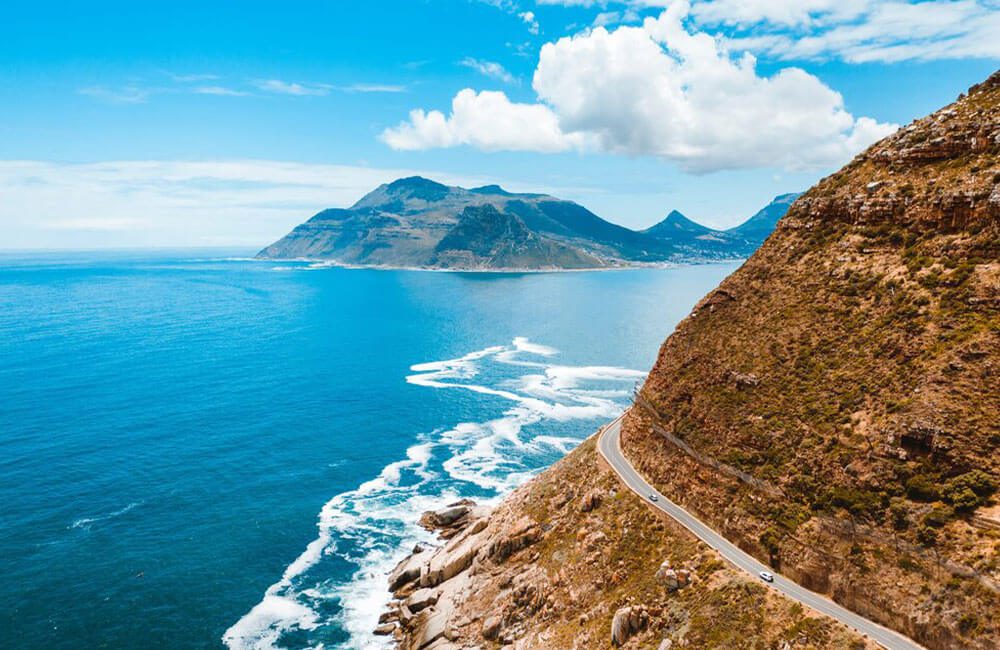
(199, 451)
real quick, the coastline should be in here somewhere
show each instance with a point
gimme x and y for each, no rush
(318, 263)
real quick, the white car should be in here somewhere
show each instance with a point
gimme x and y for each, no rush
(653, 497)
(766, 576)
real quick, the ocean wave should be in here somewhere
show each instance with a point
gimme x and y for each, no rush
(376, 525)
(87, 522)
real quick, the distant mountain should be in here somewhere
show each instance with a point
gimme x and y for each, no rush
(677, 226)
(417, 222)
(760, 226)
(693, 238)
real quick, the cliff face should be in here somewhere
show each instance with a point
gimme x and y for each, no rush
(841, 390)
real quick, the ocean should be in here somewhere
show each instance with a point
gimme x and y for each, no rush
(198, 450)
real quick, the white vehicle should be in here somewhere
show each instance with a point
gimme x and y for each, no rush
(767, 576)
(653, 497)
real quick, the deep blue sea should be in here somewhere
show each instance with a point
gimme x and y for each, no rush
(199, 450)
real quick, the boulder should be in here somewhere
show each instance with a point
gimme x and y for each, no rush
(434, 627)
(456, 557)
(386, 629)
(408, 570)
(491, 627)
(523, 534)
(422, 599)
(591, 500)
(627, 622)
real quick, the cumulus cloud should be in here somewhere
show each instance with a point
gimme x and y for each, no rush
(487, 120)
(658, 90)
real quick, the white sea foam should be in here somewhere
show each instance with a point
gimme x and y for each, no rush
(87, 522)
(376, 525)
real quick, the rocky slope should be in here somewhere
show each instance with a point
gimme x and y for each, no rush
(838, 396)
(567, 562)
(415, 222)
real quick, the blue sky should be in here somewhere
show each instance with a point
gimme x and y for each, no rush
(139, 124)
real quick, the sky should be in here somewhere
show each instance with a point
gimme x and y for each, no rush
(155, 124)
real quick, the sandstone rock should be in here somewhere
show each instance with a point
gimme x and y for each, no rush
(627, 622)
(672, 579)
(386, 629)
(491, 628)
(433, 627)
(422, 599)
(408, 570)
(524, 533)
(591, 500)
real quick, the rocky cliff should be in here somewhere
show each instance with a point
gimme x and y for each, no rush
(416, 222)
(833, 405)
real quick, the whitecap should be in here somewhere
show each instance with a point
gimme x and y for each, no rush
(87, 522)
(376, 525)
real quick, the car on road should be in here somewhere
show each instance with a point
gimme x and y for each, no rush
(766, 576)
(653, 497)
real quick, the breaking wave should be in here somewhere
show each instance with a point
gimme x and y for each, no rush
(543, 407)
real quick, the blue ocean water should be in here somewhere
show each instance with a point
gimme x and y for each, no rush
(199, 451)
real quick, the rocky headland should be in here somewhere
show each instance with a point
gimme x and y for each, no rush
(832, 408)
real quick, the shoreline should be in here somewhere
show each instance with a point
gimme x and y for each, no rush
(317, 264)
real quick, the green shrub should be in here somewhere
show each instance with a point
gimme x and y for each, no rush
(939, 516)
(922, 488)
(926, 535)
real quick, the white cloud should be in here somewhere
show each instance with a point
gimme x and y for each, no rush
(373, 88)
(220, 91)
(487, 120)
(489, 68)
(529, 19)
(175, 203)
(860, 30)
(856, 31)
(657, 90)
(292, 88)
(789, 13)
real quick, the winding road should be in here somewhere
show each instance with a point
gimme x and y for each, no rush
(609, 444)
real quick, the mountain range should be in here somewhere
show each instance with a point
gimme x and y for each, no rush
(417, 222)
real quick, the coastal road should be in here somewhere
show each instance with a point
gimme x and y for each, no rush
(609, 444)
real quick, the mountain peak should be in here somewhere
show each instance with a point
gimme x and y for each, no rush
(491, 189)
(758, 227)
(418, 187)
(676, 224)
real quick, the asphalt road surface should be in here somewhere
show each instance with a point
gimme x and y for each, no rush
(610, 447)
